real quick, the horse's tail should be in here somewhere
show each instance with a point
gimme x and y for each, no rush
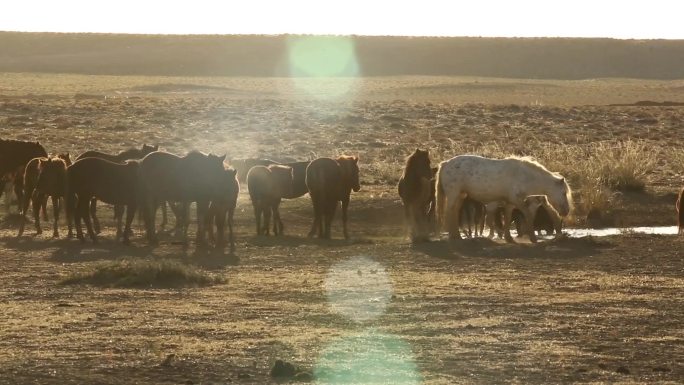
(440, 200)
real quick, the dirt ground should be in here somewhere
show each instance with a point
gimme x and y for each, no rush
(373, 309)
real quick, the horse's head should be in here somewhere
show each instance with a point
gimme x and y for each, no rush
(147, 148)
(52, 171)
(350, 171)
(418, 163)
(560, 196)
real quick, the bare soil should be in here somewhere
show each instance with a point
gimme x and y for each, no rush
(587, 310)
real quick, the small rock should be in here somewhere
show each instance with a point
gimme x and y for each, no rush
(282, 369)
(622, 370)
(243, 375)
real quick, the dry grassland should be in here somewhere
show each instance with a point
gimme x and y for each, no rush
(584, 310)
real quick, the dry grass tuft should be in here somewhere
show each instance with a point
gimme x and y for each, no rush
(140, 273)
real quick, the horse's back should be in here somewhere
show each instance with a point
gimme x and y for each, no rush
(111, 182)
(17, 153)
(322, 173)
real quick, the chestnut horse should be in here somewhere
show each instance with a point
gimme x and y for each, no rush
(121, 157)
(680, 212)
(267, 186)
(14, 155)
(195, 177)
(416, 194)
(113, 183)
(43, 178)
(330, 181)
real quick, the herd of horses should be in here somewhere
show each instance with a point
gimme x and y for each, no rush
(146, 179)
(462, 192)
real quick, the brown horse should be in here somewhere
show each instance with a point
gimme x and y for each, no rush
(416, 190)
(267, 186)
(222, 209)
(680, 212)
(110, 182)
(330, 181)
(43, 178)
(31, 174)
(121, 157)
(546, 218)
(14, 155)
(244, 165)
(195, 177)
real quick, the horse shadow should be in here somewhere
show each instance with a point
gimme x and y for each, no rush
(561, 247)
(295, 241)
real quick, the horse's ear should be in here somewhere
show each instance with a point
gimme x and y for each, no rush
(223, 157)
(356, 159)
(561, 180)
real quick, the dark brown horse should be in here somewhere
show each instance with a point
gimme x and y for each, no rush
(330, 181)
(244, 165)
(121, 157)
(417, 194)
(14, 155)
(43, 178)
(222, 210)
(195, 177)
(267, 186)
(680, 212)
(113, 183)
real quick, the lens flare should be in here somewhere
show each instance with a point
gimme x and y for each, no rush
(367, 358)
(358, 288)
(323, 66)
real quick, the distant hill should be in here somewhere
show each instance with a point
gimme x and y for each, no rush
(256, 55)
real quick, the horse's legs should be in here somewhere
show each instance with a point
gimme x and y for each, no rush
(266, 210)
(345, 205)
(118, 215)
(219, 218)
(453, 215)
(43, 207)
(130, 214)
(36, 199)
(329, 215)
(18, 188)
(317, 216)
(209, 220)
(149, 211)
(257, 216)
(93, 215)
(529, 223)
(164, 216)
(277, 223)
(88, 222)
(231, 212)
(202, 209)
(55, 211)
(508, 215)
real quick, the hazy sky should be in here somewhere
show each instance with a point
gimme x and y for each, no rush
(571, 18)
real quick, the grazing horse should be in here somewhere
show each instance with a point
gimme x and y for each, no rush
(130, 154)
(267, 186)
(195, 177)
(113, 183)
(14, 155)
(330, 181)
(545, 216)
(680, 212)
(222, 209)
(244, 165)
(43, 178)
(416, 194)
(486, 180)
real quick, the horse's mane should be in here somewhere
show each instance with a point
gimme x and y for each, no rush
(412, 162)
(533, 164)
